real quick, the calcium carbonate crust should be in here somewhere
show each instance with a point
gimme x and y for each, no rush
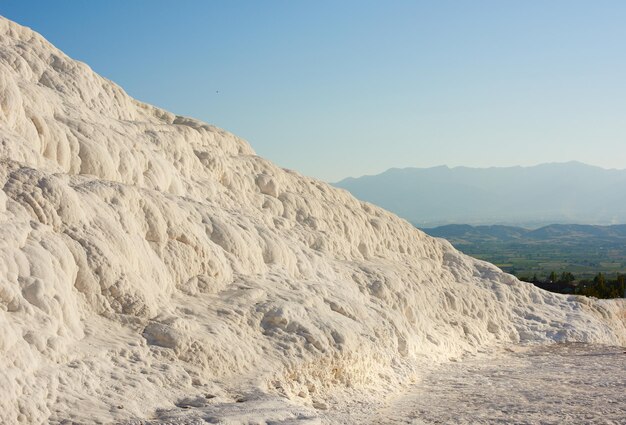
(150, 261)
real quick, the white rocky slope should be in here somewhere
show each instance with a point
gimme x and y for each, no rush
(149, 260)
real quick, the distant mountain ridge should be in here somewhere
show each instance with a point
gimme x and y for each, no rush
(570, 192)
(508, 233)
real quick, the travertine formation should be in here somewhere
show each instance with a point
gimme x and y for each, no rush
(150, 261)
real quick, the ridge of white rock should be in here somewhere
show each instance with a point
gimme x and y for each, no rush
(149, 261)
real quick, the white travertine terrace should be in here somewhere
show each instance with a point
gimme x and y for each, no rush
(148, 258)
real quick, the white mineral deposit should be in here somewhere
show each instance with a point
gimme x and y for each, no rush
(153, 268)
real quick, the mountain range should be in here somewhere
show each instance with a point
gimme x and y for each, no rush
(503, 233)
(570, 192)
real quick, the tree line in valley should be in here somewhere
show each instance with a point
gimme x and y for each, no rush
(566, 283)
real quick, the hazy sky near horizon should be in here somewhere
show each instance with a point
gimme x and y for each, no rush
(345, 88)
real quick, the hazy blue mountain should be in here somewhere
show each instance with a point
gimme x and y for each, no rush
(532, 196)
(578, 231)
(552, 232)
(461, 232)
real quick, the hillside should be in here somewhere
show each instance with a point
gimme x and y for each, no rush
(584, 250)
(152, 267)
(549, 193)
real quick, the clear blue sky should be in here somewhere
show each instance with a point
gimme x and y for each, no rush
(346, 88)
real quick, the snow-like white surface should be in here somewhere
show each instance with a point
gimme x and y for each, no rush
(557, 384)
(569, 383)
(148, 259)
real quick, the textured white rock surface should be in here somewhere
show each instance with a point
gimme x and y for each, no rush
(147, 259)
(549, 384)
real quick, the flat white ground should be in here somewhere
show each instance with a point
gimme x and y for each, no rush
(555, 384)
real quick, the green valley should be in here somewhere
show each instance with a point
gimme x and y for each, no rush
(582, 250)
